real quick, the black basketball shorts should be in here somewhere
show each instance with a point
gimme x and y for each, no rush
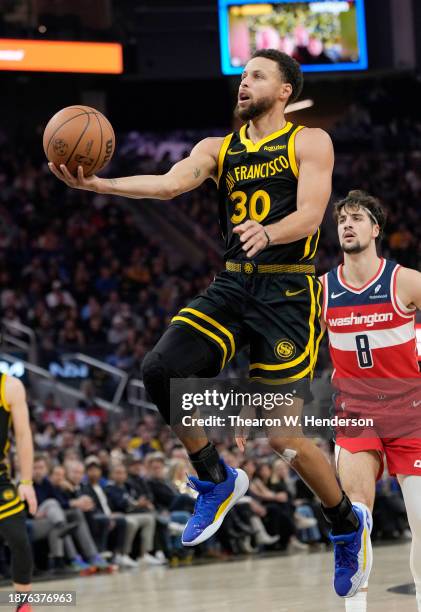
(277, 315)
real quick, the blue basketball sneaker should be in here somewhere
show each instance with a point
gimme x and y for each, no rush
(353, 556)
(212, 504)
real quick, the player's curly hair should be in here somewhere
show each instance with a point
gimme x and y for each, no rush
(358, 198)
(289, 68)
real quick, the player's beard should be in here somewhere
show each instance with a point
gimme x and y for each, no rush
(254, 109)
(357, 247)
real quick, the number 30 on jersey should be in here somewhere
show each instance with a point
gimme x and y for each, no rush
(256, 208)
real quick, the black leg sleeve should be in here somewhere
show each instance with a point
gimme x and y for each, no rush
(13, 530)
(180, 353)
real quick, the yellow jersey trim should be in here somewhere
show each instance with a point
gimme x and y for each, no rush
(207, 333)
(252, 147)
(7, 445)
(3, 392)
(307, 247)
(291, 150)
(221, 328)
(222, 153)
(316, 244)
(309, 348)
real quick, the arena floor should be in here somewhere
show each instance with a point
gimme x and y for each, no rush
(293, 583)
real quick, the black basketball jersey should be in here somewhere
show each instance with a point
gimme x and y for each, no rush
(5, 423)
(258, 181)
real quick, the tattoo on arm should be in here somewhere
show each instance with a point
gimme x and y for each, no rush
(196, 173)
(113, 182)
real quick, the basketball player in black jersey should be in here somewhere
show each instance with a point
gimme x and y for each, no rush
(14, 411)
(274, 183)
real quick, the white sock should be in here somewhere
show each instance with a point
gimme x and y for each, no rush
(358, 603)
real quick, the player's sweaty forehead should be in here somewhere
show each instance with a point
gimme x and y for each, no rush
(264, 66)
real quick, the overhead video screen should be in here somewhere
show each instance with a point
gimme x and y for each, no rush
(323, 36)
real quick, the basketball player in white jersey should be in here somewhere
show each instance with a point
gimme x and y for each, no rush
(369, 312)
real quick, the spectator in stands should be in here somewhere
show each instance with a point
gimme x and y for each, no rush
(58, 297)
(105, 462)
(250, 512)
(164, 526)
(165, 493)
(71, 337)
(49, 508)
(389, 515)
(79, 500)
(41, 528)
(114, 537)
(74, 504)
(278, 520)
(144, 441)
(280, 480)
(124, 498)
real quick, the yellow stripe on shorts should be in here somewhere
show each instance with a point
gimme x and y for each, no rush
(208, 319)
(207, 333)
(14, 501)
(12, 511)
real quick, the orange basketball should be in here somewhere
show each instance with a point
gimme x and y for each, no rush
(79, 136)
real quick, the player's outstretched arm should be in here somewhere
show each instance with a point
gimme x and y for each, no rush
(184, 176)
(15, 397)
(408, 287)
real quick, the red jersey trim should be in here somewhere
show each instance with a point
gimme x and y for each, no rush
(367, 284)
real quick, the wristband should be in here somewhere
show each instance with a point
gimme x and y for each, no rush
(268, 238)
(26, 482)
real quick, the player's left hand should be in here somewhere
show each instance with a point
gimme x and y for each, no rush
(253, 236)
(89, 183)
(27, 493)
